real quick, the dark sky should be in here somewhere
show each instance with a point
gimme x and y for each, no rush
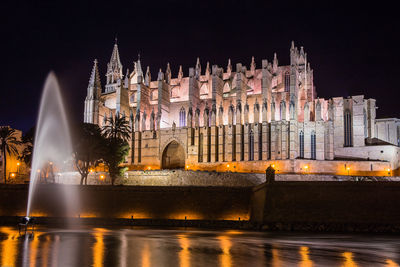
(352, 47)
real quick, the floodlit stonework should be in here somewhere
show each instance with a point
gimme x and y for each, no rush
(243, 119)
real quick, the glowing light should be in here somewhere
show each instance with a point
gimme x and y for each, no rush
(227, 165)
(273, 166)
(306, 167)
(98, 247)
(146, 256)
(18, 163)
(225, 257)
(305, 257)
(51, 163)
(9, 247)
(12, 174)
(187, 166)
(348, 260)
(91, 170)
(102, 177)
(390, 263)
(184, 254)
(38, 170)
(149, 168)
(348, 168)
(388, 170)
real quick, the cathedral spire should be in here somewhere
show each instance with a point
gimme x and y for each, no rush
(147, 78)
(253, 66)
(275, 63)
(180, 73)
(114, 67)
(168, 74)
(94, 86)
(208, 71)
(229, 67)
(138, 70)
(198, 68)
(160, 76)
(138, 67)
(126, 81)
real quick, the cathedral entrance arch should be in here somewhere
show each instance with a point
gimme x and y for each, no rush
(173, 156)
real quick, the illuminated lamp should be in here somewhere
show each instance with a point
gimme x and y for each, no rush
(18, 163)
(102, 177)
(12, 174)
(149, 168)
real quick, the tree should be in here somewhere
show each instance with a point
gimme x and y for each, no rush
(116, 132)
(8, 145)
(117, 128)
(28, 141)
(115, 152)
(87, 148)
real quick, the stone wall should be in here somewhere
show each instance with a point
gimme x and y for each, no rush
(327, 202)
(192, 178)
(149, 202)
(203, 178)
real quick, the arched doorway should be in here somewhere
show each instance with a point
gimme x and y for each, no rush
(173, 156)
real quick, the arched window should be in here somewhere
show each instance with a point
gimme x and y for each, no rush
(200, 147)
(282, 110)
(348, 136)
(301, 141)
(313, 146)
(287, 82)
(365, 124)
(182, 117)
(251, 145)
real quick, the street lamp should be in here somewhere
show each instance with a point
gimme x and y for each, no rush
(18, 166)
(306, 168)
(348, 170)
(389, 170)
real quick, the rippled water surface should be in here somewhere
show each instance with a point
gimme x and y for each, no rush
(191, 247)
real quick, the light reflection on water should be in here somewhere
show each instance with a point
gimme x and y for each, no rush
(189, 248)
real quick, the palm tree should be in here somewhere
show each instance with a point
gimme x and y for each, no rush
(117, 128)
(8, 145)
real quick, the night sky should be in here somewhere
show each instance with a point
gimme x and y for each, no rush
(353, 48)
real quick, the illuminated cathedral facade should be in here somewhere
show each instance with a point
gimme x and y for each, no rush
(242, 118)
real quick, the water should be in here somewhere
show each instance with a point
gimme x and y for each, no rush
(188, 248)
(52, 141)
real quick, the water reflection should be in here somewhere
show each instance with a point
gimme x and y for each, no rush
(184, 254)
(8, 246)
(98, 247)
(146, 255)
(225, 258)
(276, 261)
(190, 248)
(348, 260)
(305, 257)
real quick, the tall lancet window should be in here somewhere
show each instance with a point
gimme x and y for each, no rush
(348, 135)
(365, 124)
(301, 141)
(313, 146)
(287, 82)
(251, 145)
(182, 117)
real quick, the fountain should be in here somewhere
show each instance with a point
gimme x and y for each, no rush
(53, 148)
